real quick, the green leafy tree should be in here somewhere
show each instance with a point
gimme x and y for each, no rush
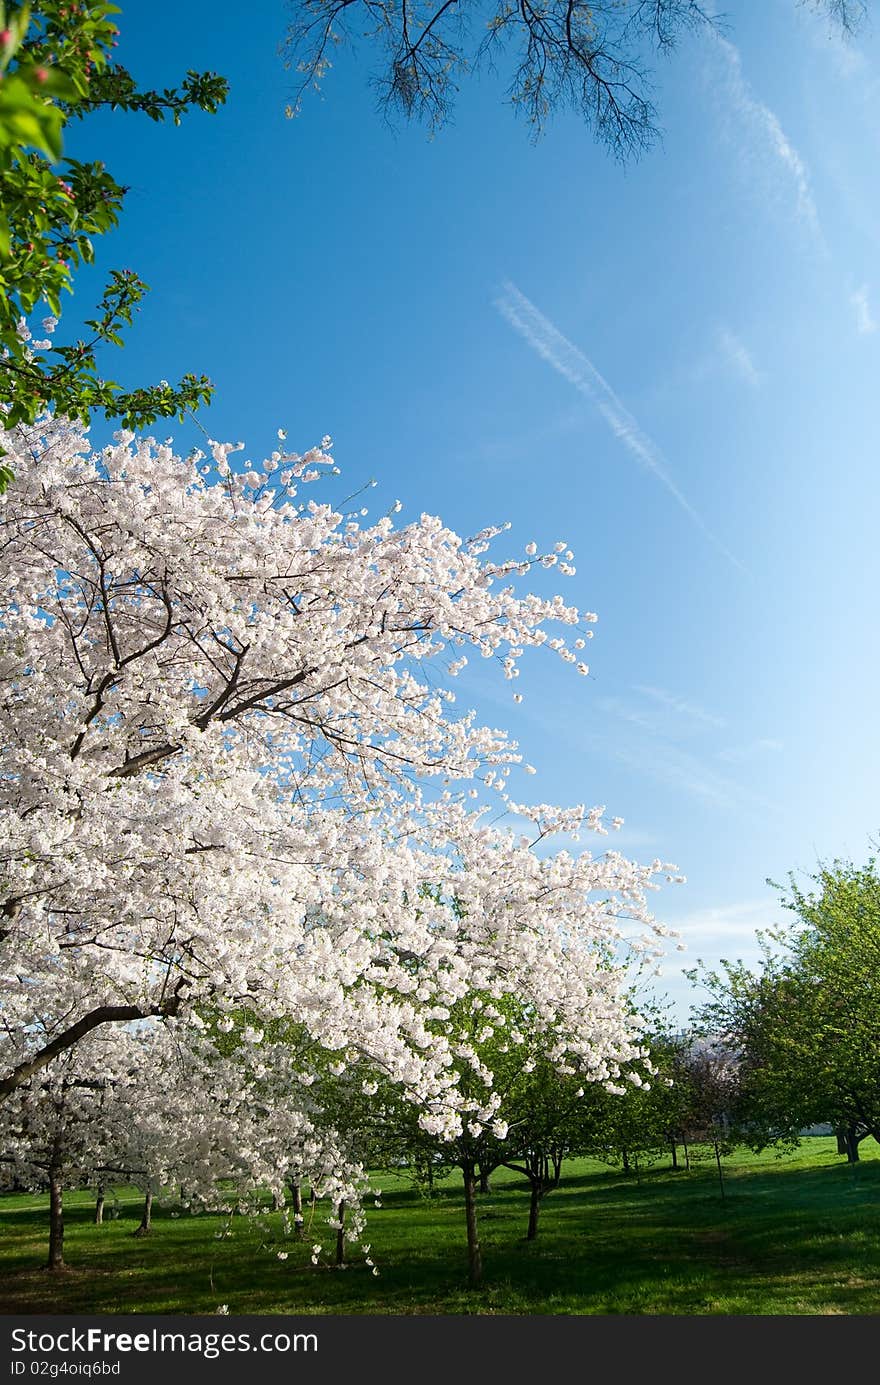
(670, 1100)
(57, 66)
(553, 1116)
(651, 1117)
(807, 1024)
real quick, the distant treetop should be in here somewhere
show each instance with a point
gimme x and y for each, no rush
(559, 54)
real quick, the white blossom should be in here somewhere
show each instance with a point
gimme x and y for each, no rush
(230, 784)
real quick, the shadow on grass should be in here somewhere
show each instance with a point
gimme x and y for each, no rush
(788, 1237)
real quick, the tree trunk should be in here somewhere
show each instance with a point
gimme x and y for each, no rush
(475, 1258)
(146, 1217)
(534, 1210)
(624, 1154)
(56, 1219)
(485, 1185)
(674, 1154)
(340, 1235)
(720, 1174)
(99, 1206)
(848, 1143)
(296, 1194)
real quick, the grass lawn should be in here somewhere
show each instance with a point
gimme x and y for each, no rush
(794, 1235)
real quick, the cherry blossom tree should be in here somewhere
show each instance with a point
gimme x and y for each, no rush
(55, 1129)
(159, 1108)
(230, 782)
(532, 1104)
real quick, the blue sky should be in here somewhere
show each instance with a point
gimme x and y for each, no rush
(673, 366)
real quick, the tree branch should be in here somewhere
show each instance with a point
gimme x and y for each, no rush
(104, 1014)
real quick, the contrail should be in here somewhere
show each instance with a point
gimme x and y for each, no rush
(771, 138)
(573, 365)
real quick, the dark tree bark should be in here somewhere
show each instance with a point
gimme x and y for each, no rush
(720, 1173)
(340, 1234)
(146, 1217)
(99, 1206)
(475, 1257)
(848, 1142)
(56, 1217)
(534, 1211)
(543, 1172)
(674, 1149)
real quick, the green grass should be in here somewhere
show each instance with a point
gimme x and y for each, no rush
(794, 1235)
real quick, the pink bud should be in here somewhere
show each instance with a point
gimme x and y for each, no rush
(6, 37)
(41, 74)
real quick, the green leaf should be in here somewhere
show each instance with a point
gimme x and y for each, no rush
(27, 120)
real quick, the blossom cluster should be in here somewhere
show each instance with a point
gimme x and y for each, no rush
(230, 785)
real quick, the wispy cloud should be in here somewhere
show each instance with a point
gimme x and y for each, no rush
(737, 754)
(865, 322)
(715, 923)
(738, 357)
(768, 141)
(707, 935)
(638, 744)
(686, 773)
(691, 710)
(616, 708)
(715, 931)
(656, 750)
(568, 361)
